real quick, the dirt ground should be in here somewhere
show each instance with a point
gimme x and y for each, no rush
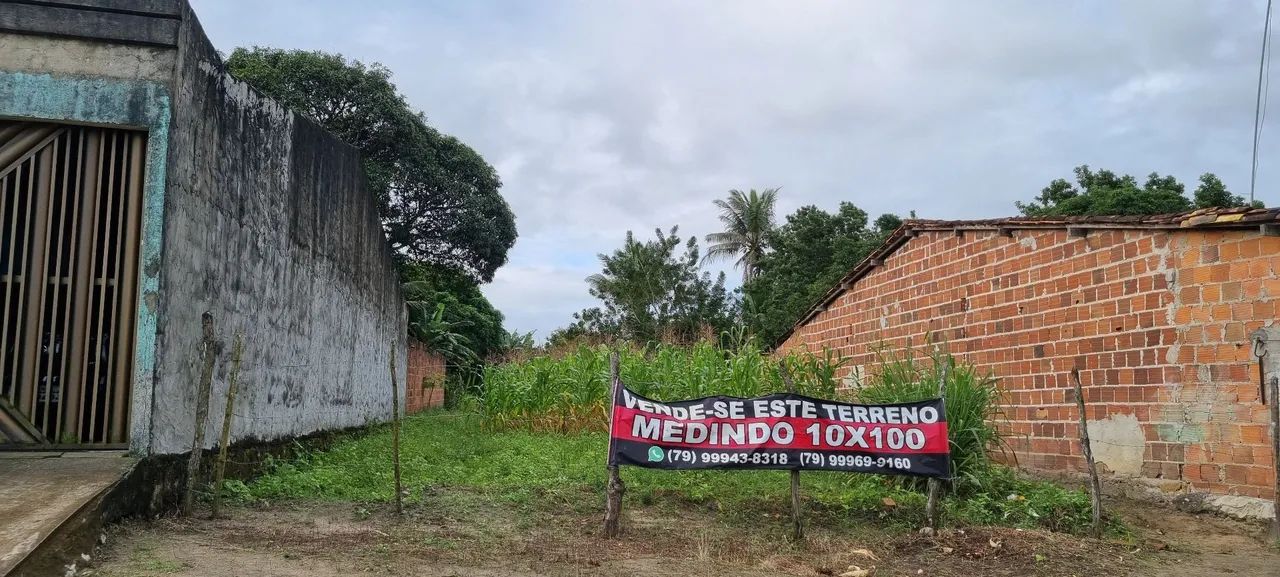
(468, 535)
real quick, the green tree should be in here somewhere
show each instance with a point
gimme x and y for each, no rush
(438, 198)
(810, 253)
(888, 223)
(747, 219)
(653, 290)
(1213, 193)
(1107, 193)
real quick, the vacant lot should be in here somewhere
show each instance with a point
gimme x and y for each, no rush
(512, 503)
(468, 534)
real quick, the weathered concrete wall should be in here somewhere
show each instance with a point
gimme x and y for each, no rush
(250, 212)
(148, 22)
(71, 56)
(268, 225)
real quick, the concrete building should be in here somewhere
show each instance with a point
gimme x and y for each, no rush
(1162, 315)
(144, 186)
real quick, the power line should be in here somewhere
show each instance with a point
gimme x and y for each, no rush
(1264, 86)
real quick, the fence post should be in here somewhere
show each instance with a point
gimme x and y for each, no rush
(395, 431)
(797, 521)
(615, 489)
(233, 384)
(1095, 486)
(1275, 448)
(208, 354)
(935, 485)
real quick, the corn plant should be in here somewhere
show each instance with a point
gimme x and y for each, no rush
(569, 392)
(972, 404)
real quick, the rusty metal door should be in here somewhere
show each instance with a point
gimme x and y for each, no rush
(70, 201)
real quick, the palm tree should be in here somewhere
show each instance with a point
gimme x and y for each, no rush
(747, 218)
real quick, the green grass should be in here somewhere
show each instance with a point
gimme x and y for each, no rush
(455, 452)
(145, 560)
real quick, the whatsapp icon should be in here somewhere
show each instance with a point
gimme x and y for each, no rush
(656, 454)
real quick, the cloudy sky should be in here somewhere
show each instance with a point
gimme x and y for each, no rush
(604, 116)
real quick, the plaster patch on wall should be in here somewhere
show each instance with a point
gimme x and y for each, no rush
(1028, 242)
(1180, 433)
(1118, 442)
(1171, 279)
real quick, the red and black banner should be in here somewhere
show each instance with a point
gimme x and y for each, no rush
(780, 431)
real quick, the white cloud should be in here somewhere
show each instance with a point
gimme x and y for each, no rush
(608, 116)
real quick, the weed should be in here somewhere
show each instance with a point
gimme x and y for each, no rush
(565, 472)
(146, 559)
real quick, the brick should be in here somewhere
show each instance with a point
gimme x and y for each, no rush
(1231, 291)
(1103, 304)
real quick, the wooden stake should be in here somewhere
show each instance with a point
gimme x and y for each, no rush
(208, 354)
(395, 432)
(935, 485)
(616, 488)
(1275, 447)
(1095, 486)
(797, 521)
(232, 386)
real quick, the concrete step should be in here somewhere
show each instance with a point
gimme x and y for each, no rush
(49, 503)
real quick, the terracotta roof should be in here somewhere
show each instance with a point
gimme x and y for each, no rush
(1203, 218)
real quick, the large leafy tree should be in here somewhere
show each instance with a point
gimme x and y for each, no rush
(438, 198)
(1212, 192)
(810, 253)
(1104, 192)
(654, 289)
(748, 220)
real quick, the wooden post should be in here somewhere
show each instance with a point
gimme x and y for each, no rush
(935, 485)
(615, 489)
(797, 520)
(1275, 447)
(208, 354)
(395, 432)
(233, 385)
(1095, 486)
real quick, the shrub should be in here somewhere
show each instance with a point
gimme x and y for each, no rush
(972, 404)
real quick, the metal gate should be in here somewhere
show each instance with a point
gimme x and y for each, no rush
(70, 203)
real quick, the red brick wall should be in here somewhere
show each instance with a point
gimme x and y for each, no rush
(1157, 321)
(424, 385)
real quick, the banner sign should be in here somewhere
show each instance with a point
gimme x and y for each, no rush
(780, 431)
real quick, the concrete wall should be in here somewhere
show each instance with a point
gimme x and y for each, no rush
(268, 224)
(84, 58)
(250, 212)
(1158, 322)
(139, 22)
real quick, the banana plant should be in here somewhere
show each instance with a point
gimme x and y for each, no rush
(439, 335)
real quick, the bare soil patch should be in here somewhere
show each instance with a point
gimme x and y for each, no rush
(467, 534)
